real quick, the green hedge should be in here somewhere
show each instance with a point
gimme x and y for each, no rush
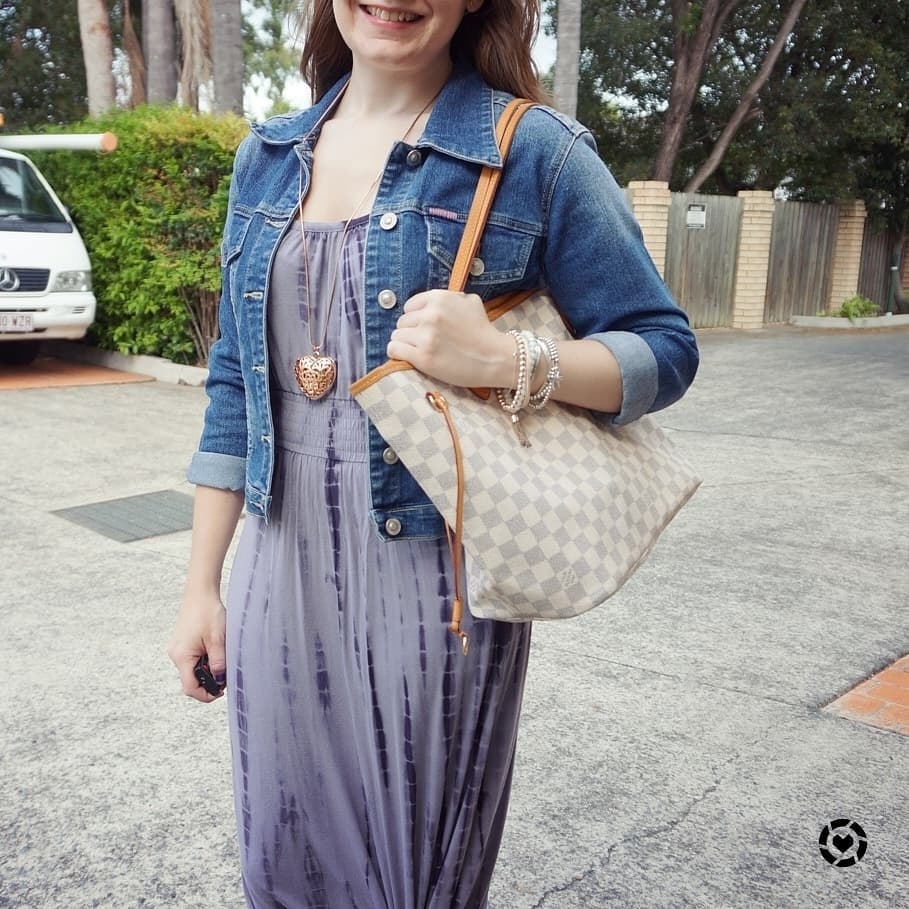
(151, 214)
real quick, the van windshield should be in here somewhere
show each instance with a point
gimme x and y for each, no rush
(25, 205)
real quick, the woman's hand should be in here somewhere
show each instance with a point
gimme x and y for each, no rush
(202, 621)
(200, 629)
(448, 336)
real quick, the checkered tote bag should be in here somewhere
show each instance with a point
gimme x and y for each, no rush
(548, 531)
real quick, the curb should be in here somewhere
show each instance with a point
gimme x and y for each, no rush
(156, 367)
(887, 321)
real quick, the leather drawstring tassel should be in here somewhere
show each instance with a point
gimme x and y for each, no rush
(437, 400)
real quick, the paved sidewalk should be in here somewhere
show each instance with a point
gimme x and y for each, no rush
(675, 748)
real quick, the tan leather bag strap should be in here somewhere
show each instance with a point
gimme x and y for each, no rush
(470, 243)
(485, 194)
(437, 400)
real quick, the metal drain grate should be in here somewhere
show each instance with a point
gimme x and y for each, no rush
(135, 517)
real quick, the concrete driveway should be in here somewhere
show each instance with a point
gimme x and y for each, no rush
(675, 750)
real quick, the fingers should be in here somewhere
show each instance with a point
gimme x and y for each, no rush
(186, 663)
(433, 318)
(448, 336)
(441, 301)
(417, 302)
(185, 654)
(217, 660)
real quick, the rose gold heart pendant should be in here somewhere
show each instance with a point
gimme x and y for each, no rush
(315, 374)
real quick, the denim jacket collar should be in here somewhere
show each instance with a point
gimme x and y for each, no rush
(462, 123)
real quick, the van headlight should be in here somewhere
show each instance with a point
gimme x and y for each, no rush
(73, 281)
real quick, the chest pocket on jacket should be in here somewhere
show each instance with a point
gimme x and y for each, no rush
(234, 235)
(502, 260)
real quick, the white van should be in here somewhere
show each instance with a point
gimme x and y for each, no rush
(45, 273)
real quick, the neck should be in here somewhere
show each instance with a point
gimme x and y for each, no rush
(383, 94)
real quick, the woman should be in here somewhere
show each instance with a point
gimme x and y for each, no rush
(372, 760)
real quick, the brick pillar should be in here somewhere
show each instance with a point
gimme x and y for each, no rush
(847, 256)
(650, 201)
(754, 258)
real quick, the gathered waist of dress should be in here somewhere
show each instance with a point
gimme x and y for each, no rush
(334, 427)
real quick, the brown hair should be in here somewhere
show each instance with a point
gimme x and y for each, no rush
(496, 39)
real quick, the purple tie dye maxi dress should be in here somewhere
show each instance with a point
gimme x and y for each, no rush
(372, 761)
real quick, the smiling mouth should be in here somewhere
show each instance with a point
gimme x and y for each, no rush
(388, 15)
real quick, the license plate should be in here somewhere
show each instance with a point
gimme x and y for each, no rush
(16, 321)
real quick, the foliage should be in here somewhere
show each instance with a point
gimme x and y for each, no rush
(151, 214)
(268, 30)
(832, 122)
(856, 307)
(42, 73)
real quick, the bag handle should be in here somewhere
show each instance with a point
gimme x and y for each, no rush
(490, 177)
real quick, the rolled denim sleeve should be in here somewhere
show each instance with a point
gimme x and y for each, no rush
(640, 373)
(211, 468)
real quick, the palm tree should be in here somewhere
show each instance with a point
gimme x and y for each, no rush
(568, 54)
(160, 46)
(226, 47)
(98, 53)
(211, 52)
(194, 18)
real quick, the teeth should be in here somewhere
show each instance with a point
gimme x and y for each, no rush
(387, 15)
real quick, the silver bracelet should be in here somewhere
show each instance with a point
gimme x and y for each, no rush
(541, 398)
(536, 349)
(513, 402)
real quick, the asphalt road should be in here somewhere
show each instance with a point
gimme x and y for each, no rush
(674, 750)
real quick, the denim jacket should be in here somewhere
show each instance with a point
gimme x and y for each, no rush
(559, 221)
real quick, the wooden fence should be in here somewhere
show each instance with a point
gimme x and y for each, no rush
(701, 255)
(874, 275)
(801, 260)
(747, 260)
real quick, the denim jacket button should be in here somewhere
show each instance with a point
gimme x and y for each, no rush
(390, 456)
(388, 220)
(387, 299)
(477, 267)
(414, 157)
(392, 527)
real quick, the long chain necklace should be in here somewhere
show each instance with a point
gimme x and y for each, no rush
(316, 372)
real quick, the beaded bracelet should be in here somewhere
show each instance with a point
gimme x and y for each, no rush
(541, 397)
(516, 399)
(513, 402)
(536, 349)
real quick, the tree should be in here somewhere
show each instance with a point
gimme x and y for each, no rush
(270, 60)
(194, 19)
(630, 85)
(159, 43)
(696, 26)
(568, 53)
(744, 107)
(831, 120)
(132, 49)
(215, 50)
(98, 52)
(42, 71)
(227, 55)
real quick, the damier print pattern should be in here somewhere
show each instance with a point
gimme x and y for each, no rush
(372, 760)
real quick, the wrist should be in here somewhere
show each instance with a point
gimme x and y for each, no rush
(501, 363)
(202, 587)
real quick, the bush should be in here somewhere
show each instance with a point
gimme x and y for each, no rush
(857, 307)
(151, 214)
